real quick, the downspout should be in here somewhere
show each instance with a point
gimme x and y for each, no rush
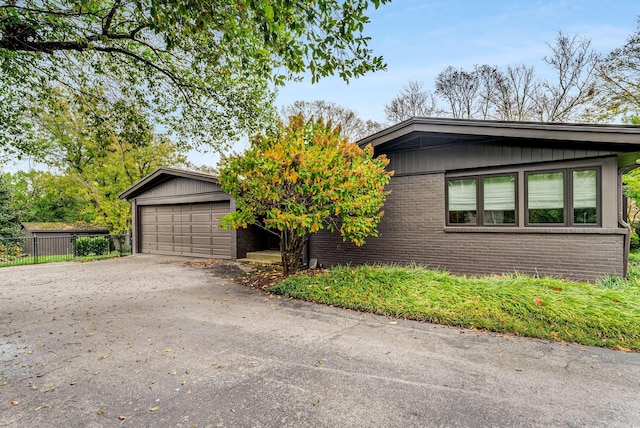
(621, 222)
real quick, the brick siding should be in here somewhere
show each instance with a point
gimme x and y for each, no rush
(413, 230)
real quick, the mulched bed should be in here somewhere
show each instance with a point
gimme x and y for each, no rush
(257, 276)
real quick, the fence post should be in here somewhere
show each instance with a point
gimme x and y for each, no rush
(35, 249)
(73, 245)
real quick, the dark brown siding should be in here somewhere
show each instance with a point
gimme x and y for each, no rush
(437, 158)
(413, 230)
(179, 186)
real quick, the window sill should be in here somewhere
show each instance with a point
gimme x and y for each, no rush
(537, 229)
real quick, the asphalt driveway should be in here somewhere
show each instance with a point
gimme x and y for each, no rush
(149, 341)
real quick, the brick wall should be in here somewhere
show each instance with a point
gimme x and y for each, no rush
(249, 239)
(413, 230)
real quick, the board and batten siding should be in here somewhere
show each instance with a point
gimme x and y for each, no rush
(479, 154)
(180, 186)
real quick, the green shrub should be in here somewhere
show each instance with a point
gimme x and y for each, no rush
(635, 241)
(85, 246)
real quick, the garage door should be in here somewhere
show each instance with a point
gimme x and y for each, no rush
(185, 229)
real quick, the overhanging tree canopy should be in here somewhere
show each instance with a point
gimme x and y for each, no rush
(207, 68)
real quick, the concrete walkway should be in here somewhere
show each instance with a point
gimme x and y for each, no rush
(158, 343)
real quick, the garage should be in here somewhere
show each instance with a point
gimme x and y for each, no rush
(185, 229)
(177, 212)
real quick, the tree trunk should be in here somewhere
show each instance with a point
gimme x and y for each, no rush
(291, 248)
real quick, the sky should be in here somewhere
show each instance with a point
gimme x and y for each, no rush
(420, 38)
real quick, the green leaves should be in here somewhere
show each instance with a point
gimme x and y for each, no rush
(305, 177)
(205, 69)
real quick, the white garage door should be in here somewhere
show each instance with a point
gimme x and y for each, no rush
(185, 229)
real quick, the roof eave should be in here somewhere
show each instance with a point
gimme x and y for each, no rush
(163, 174)
(612, 134)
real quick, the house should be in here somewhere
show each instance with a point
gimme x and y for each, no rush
(176, 212)
(468, 196)
(485, 197)
(54, 238)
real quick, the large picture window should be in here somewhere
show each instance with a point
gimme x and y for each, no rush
(567, 198)
(489, 200)
(563, 197)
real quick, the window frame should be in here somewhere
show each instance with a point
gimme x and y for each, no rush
(522, 198)
(447, 215)
(480, 200)
(598, 222)
(567, 187)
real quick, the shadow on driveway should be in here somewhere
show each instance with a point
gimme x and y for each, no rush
(149, 341)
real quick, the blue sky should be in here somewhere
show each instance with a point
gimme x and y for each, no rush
(419, 38)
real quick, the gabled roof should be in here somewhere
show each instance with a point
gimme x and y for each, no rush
(161, 175)
(451, 130)
(62, 227)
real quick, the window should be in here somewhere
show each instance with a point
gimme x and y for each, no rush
(462, 201)
(545, 196)
(496, 195)
(585, 196)
(499, 199)
(567, 198)
(562, 197)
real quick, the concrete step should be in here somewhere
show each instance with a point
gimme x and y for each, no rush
(269, 257)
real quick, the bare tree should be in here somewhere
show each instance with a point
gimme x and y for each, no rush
(618, 91)
(574, 62)
(491, 80)
(516, 92)
(412, 101)
(460, 89)
(352, 126)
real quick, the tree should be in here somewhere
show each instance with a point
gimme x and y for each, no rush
(617, 84)
(9, 224)
(351, 125)
(460, 89)
(565, 98)
(412, 101)
(516, 92)
(41, 196)
(102, 148)
(203, 68)
(302, 178)
(513, 93)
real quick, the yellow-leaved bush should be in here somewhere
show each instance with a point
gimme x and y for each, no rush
(304, 177)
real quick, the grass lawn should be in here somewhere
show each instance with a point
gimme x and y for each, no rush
(604, 314)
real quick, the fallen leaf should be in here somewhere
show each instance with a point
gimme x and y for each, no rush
(101, 412)
(122, 418)
(15, 403)
(537, 301)
(153, 409)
